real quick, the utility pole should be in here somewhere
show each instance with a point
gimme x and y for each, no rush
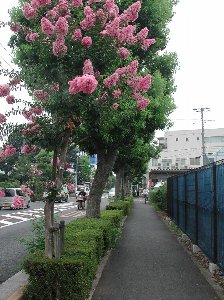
(202, 110)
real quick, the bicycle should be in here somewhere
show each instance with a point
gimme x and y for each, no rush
(146, 198)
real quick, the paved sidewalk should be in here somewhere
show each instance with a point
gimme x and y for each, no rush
(148, 263)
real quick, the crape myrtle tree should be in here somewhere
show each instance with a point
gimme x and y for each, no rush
(155, 15)
(76, 61)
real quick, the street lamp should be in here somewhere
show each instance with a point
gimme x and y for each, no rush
(201, 110)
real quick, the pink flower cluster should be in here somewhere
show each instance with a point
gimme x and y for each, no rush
(31, 130)
(28, 11)
(77, 3)
(55, 87)
(59, 47)
(2, 118)
(26, 149)
(7, 151)
(71, 187)
(88, 67)
(86, 84)
(123, 53)
(41, 95)
(2, 193)
(26, 191)
(4, 90)
(15, 27)
(87, 41)
(32, 113)
(18, 202)
(31, 36)
(46, 26)
(10, 99)
(77, 35)
(15, 81)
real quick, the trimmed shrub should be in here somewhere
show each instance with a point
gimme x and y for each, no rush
(125, 206)
(159, 197)
(69, 277)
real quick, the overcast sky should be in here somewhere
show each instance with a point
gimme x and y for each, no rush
(196, 33)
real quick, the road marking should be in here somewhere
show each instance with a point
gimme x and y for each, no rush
(73, 214)
(25, 215)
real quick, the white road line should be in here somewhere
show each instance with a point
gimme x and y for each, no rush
(15, 217)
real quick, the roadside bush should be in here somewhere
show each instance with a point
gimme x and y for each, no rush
(124, 206)
(71, 276)
(159, 197)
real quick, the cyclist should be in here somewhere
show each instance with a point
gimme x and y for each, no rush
(145, 193)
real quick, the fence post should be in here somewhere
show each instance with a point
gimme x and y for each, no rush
(196, 208)
(177, 203)
(62, 236)
(214, 254)
(56, 240)
(185, 203)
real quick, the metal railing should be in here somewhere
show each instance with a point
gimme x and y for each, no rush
(196, 205)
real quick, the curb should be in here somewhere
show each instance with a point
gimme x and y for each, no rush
(12, 289)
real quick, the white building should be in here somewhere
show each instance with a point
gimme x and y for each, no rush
(183, 149)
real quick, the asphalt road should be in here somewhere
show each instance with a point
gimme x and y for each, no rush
(17, 224)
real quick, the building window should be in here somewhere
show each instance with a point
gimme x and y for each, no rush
(214, 139)
(154, 162)
(181, 161)
(195, 161)
(186, 139)
(198, 138)
(176, 139)
(166, 162)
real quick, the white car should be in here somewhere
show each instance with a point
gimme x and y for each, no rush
(111, 193)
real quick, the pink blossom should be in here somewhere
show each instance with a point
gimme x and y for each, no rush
(18, 202)
(52, 14)
(31, 36)
(87, 41)
(10, 99)
(40, 3)
(41, 95)
(46, 26)
(2, 118)
(112, 29)
(59, 47)
(86, 83)
(4, 90)
(71, 187)
(123, 53)
(9, 150)
(62, 25)
(142, 35)
(28, 11)
(15, 81)
(87, 10)
(88, 22)
(77, 3)
(142, 104)
(88, 67)
(131, 13)
(26, 149)
(132, 68)
(126, 35)
(115, 106)
(77, 35)
(112, 80)
(116, 93)
(15, 27)
(147, 43)
(144, 83)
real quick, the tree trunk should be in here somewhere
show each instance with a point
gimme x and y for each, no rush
(118, 184)
(49, 206)
(106, 160)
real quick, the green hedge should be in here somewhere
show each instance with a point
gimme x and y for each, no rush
(122, 205)
(159, 197)
(71, 276)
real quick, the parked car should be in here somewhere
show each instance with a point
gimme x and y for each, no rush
(111, 193)
(80, 187)
(63, 195)
(157, 185)
(9, 200)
